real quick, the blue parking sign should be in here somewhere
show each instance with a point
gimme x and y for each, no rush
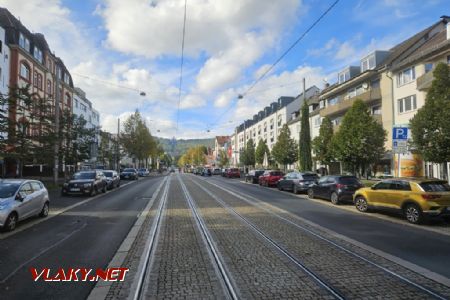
(400, 133)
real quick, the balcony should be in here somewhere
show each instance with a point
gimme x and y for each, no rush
(344, 104)
(424, 81)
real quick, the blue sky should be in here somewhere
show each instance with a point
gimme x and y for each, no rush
(135, 45)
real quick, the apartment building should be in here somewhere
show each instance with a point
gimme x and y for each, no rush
(412, 74)
(33, 65)
(267, 123)
(83, 107)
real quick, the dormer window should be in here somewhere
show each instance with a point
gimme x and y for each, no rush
(66, 78)
(37, 53)
(368, 63)
(24, 43)
(344, 76)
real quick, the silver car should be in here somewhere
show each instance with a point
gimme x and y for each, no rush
(21, 199)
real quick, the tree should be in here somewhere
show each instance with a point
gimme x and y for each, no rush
(260, 151)
(305, 160)
(285, 149)
(430, 127)
(247, 157)
(360, 139)
(223, 158)
(321, 145)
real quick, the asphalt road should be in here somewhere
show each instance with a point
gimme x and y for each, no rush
(413, 244)
(85, 236)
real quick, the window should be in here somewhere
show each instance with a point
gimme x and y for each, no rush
(76, 103)
(406, 76)
(66, 78)
(344, 76)
(375, 84)
(428, 67)
(448, 59)
(368, 63)
(332, 101)
(317, 121)
(354, 92)
(83, 107)
(35, 79)
(24, 43)
(37, 53)
(59, 72)
(322, 104)
(39, 81)
(25, 71)
(407, 104)
(49, 87)
(1, 46)
(376, 110)
(68, 99)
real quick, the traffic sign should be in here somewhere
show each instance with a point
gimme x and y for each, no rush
(400, 133)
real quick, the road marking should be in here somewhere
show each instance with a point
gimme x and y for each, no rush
(42, 253)
(352, 209)
(55, 213)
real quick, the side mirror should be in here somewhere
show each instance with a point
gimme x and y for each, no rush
(19, 197)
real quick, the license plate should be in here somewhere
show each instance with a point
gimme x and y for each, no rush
(75, 190)
(126, 176)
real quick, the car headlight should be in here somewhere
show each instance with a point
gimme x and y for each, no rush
(87, 185)
(65, 184)
(3, 206)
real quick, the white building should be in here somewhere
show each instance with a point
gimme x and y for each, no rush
(83, 107)
(4, 63)
(267, 123)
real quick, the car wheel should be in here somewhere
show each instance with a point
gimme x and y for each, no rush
(44, 211)
(294, 189)
(413, 214)
(361, 204)
(279, 187)
(118, 184)
(310, 194)
(104, 189)
(93, 191)
(334, 198)
(11, 222)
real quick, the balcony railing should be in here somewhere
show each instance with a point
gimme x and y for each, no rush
(424, 81)
(344, 104)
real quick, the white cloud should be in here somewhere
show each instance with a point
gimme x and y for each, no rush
(345, 51)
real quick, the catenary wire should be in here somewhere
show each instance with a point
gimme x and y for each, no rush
(181, 65)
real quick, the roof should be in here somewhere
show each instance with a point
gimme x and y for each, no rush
(222, 139)
(414, 179)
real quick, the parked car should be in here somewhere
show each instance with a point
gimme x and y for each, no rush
(129, 173)
(297, 181)
(270, 178)
(85, 182)
(143, 172)
(253, 176)
(233, 173)
(224, 172)
(112, 179)
(21, 199)
(416, 198)
(206, 172)
(336, 188)
(217, 171)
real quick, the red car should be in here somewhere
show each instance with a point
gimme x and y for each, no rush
(233, 173)
(270, 178)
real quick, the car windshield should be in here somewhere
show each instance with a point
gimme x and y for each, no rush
(142, 170)
(349, 180)
(234, 170)
(108, 174)
(276, 173)
(128, 170)
(84, 175)
(435, 186)
(8, 189)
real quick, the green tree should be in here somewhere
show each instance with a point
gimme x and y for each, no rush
(223, 158)
(322, 144)
(285, 149)
(261, 149)
(248, 155)
(430, 127)
(305, 160)
(359, 142)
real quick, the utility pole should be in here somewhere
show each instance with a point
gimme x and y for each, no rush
(56, 148)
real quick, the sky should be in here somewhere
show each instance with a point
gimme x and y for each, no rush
(116, 48)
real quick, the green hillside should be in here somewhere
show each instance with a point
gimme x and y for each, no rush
(178, 147)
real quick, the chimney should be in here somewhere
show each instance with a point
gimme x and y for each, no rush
(446, 20)
(448, 31)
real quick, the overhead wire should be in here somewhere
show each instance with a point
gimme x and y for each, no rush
(181, 66)
(240, 96)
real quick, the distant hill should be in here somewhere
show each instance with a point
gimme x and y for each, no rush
(178, 147)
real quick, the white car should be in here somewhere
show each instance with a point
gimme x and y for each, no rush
(21, 199)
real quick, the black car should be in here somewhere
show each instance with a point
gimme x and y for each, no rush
(253, 176)
(297, 181)
(206, 172)
(335, 188)
(112, 178)
(129, 173)
(85, 182)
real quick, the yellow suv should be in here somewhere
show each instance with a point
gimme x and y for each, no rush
(415, 197)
